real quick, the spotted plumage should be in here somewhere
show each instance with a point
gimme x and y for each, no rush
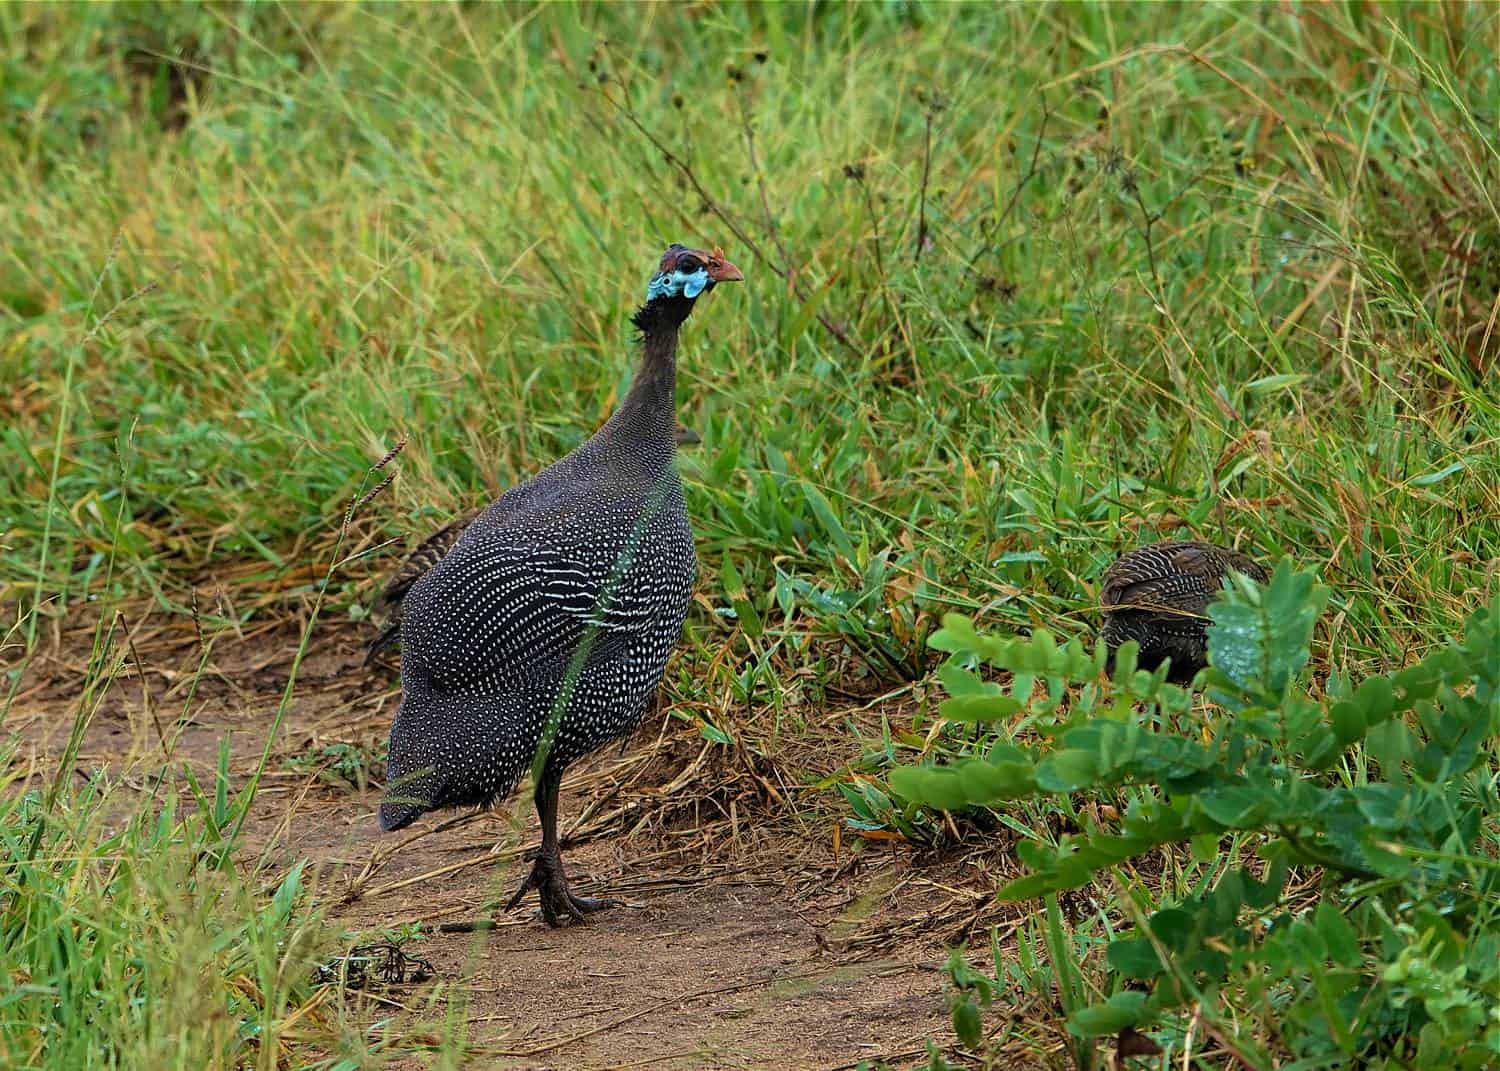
(1158, 595)
(415, 566)
(542, 629)
(427, 554)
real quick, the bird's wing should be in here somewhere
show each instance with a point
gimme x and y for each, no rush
(511, 507)
(1163, 575)
(417, 564)
(512, 608)
(1182, 576)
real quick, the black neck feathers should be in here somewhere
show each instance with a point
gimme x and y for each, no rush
(648, 412)
(662, 314)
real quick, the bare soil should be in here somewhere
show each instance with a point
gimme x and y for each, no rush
(754, 936)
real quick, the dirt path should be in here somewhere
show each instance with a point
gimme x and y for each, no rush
(747, 941)
(701, 970)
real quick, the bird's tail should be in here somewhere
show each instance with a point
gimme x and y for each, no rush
(387, 638)
(452, 750)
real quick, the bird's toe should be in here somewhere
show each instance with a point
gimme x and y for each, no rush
(559, 907)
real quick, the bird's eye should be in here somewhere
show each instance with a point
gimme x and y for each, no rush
(688, 266)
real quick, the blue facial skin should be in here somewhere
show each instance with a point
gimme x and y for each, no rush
(678, 284)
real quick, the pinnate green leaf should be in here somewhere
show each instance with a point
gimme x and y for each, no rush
(1259, 637)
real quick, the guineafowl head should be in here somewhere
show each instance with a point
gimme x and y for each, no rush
(680, 279)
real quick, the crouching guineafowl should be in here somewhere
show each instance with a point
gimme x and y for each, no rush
(542, 632)
(1158, 595)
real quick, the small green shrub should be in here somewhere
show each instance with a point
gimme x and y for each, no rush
(342, 764)
(1391, 958)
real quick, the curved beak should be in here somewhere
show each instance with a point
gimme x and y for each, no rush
(720, 270)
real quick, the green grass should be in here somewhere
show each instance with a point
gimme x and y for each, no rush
(123, 950)
(129, 937)
(1227, 270)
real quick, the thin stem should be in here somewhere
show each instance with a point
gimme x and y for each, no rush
(874, 227)
(916, 253)
(735, 227)
(760, 182)
(1150, 219)
(1033, 168)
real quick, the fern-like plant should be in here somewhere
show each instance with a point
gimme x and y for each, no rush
(1388, 789)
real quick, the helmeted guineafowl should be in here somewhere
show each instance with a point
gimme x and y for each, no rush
(543, 631)
(427, 554)
(1158, 595)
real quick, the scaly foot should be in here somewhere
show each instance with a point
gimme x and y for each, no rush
(558, 902)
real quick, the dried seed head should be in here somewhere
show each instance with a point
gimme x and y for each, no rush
(390, 455)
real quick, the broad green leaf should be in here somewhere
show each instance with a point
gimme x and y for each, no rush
(978, 707)
(967, 1024)
(1235, 806)
(1134, 957)
(1071, 874)
(1173, 927)
(957, 635)
(985, 782)
(1417, 682)
(1001, 751)
(962, 682)
(1391, 745)
(932, 785)
(1037, 855)
(1376, 699)
(1383, 806)
(1114, 849)
(1348, 722)
(1338, 935)
(1262, 894)
(1068, 770)
(1205, 847)
(1027, 887)
(1119, 1011)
